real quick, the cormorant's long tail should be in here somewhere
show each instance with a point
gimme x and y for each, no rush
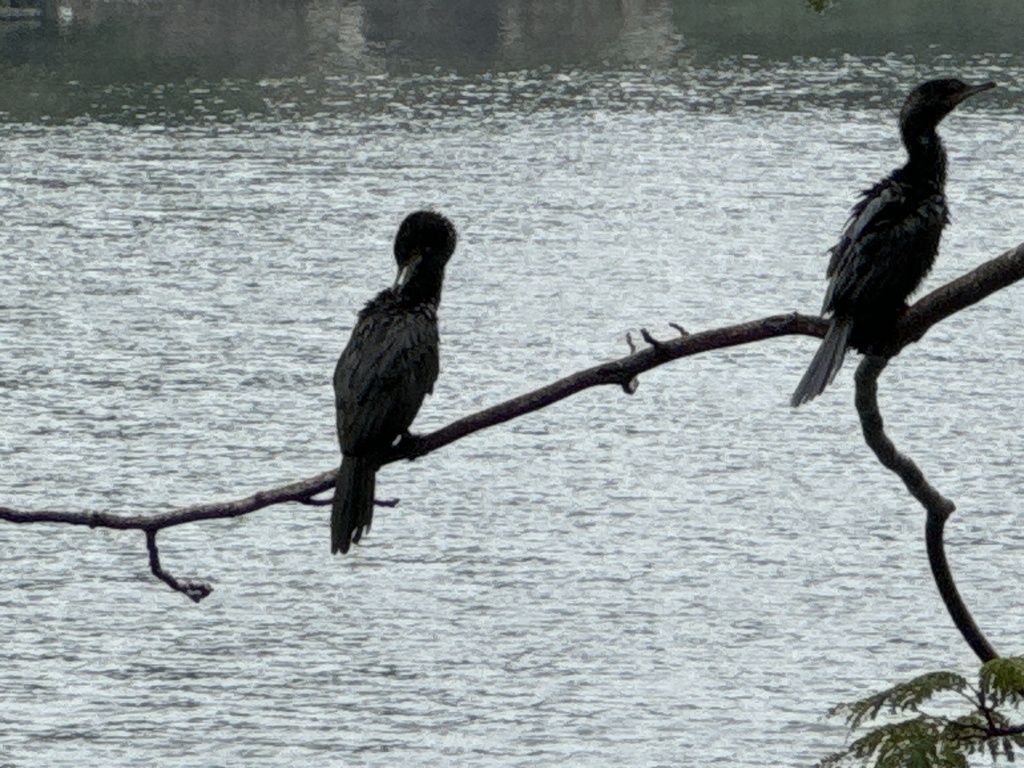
(352, 511)
(826, 363)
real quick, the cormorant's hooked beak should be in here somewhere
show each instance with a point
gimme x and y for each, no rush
(407, 271)
(973, 90)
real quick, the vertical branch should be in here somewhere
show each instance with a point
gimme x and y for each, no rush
(937, 507)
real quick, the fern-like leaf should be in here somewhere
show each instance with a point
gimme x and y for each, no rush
(902, 697)
(967, 731)
(929, 741)
(1004, 679)
(908, 744)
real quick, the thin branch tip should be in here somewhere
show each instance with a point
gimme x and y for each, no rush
(657, 346)
(195, 591)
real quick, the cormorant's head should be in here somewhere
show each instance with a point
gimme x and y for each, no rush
(423, 245)
(930, 102)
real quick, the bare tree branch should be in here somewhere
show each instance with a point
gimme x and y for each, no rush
(622, 372)
(194, 590)
(936, 306)
(966, 290)
(941, 303)
(619, 372)
(301, 491)
(937, 507)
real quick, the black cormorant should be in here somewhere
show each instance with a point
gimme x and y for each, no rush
(387, 368)
(890, 242)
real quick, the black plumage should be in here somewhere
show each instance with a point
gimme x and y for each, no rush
(389, 365)
(891, 240)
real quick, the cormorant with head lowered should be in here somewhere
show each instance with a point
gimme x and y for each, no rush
(389, 365)
(891, 240)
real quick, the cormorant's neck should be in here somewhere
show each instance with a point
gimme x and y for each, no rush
(927, 155)
(424, 287)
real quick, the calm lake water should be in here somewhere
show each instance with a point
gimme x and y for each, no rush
(689, 576)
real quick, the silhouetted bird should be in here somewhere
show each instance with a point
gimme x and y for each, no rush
(387, 368)
(890, 242)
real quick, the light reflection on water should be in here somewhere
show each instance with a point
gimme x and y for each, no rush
(689, 576)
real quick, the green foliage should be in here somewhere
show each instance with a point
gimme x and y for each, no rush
(900, 698)
(927, 740)
(895, 745)
(820, 6)
(1003, 680)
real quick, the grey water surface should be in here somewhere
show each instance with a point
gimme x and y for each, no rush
(689, 576)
